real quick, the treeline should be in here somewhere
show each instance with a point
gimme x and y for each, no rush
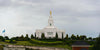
(27, 38)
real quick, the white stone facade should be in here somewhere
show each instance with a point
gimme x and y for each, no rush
(50, 31)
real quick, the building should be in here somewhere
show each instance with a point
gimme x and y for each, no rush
(80, 45)
(13, 47)
(50, 31)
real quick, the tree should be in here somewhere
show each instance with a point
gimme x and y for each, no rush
(78, 38)
(62, 36)
(43, 36)
(73, 37)
(97, 44)
(26, 37)
(32, 36)
(6, 38)
(21, 38)
(90, 38)
(56, 36)
(2, 38)
(83, 37)
(35, 35)
(66, 37)
(14, 38)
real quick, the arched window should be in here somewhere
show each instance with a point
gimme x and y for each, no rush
(83, 49)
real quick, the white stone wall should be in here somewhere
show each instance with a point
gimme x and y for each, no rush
(45, 31)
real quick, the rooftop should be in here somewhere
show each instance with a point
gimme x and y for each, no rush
(80, 43)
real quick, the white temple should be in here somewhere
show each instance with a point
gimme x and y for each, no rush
(50, 31)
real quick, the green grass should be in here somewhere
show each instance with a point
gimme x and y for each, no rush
(46, 42)
(23, 43)
(41, 43)
(4, 43)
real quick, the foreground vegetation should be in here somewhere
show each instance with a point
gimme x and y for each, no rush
(40, 43)
(44, 42)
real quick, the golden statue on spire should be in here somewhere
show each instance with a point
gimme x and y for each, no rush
(50, 13)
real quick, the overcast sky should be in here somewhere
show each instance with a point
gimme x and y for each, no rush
(80, 17)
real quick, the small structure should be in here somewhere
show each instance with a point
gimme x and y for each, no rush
(80, 45)
(14, 47)
(50, 31)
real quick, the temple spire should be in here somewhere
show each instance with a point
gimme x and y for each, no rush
(50, 13)
(50, 21)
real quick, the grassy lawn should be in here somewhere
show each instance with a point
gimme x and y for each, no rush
(4, 43)
(25, 43)
(41, 43)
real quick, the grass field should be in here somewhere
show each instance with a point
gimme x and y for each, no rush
(34, 42)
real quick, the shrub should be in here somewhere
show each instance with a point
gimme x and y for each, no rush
(7, 41)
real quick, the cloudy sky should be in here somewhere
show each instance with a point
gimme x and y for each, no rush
(80, 17)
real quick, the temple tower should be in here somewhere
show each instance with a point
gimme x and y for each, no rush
(50, 20)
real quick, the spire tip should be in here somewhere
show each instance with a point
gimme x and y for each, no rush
(50, 12)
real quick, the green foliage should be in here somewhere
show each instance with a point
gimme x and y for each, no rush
(2, 38)
(97, 44)
(15, 38)
(26, 38)
(24, 43)
(66, 37)
(21, 38)
(73, 37)
(82, 37)
(45, 43)
(90, 42)
(32, 36)
(39, 43)
(56, 36)
(43, 36)
(62, 36)
(35, 35)
(7, 41)
(12, 41)
(90, 38)
(78, 38)
(6, 38)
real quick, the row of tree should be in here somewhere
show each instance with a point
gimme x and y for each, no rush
(96, 45)
(27, 38)
(72, 37)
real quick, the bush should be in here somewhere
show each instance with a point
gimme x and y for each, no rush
(12, 41)
(7, 41)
